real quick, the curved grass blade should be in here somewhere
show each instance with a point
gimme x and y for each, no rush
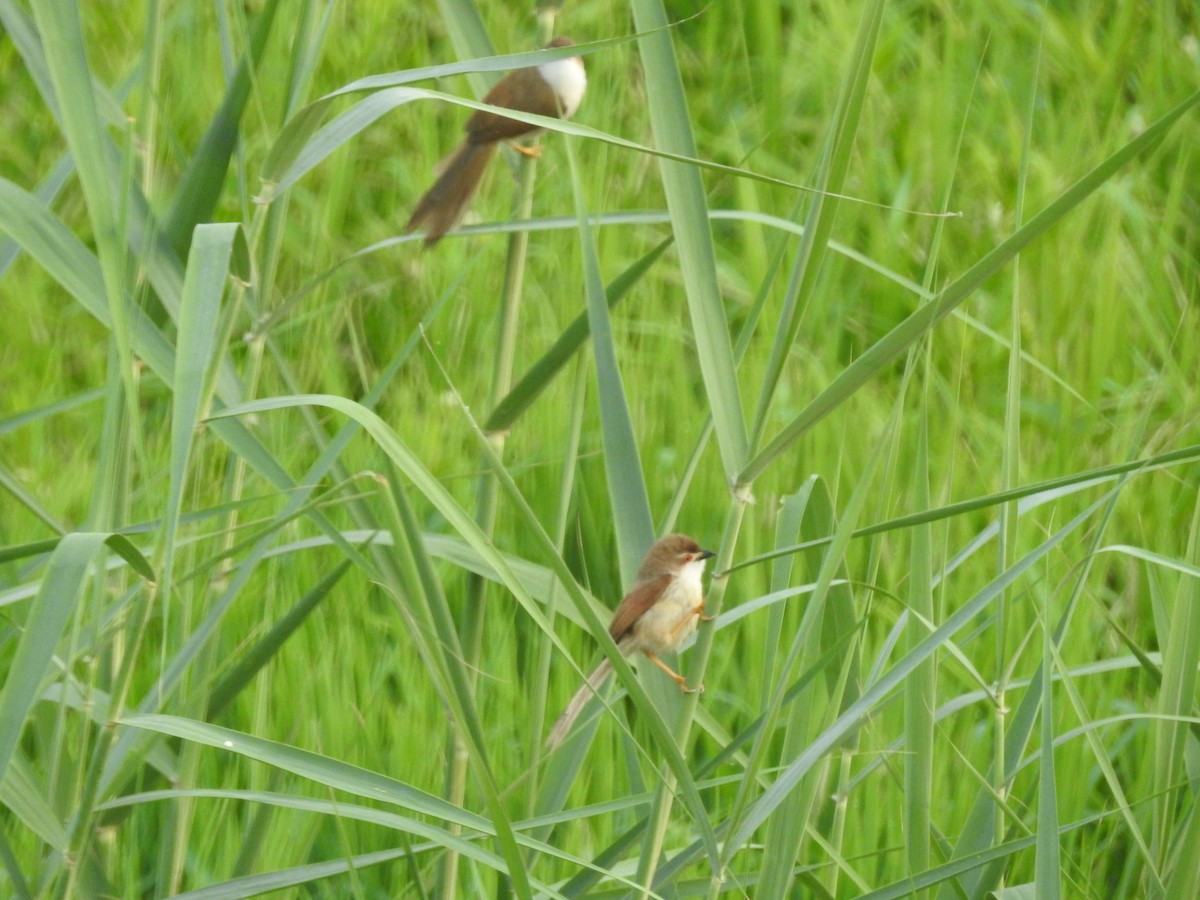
(343, 777)
(291, 164)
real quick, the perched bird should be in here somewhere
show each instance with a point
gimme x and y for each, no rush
(656, 616)
(551, 89)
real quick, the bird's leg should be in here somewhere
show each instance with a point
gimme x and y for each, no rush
(534, 152)
(679, 679)
(697, 611)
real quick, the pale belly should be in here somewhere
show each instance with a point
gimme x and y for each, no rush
(667, 624)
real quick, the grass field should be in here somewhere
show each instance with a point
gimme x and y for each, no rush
(307, 534)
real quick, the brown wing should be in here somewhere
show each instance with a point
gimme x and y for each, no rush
(524, 90)
(635, 604)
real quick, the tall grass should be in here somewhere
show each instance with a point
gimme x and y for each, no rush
(308, 534)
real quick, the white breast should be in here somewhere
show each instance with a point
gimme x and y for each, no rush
(569, 81)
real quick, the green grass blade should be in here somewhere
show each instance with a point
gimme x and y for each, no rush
(12, 423)
(1048, 860)
(672, 128)
(321, 769)
(306, 144)
(200, 188)
(1177, 697)
(250, 662)
(787, 532)
(217, 252)
(543, 372)
(470, 38)
(296, 876)
(12, 484)
(1185, 877)
(633, 525)
(32, 224)
(68, 81)
(920, 689)
(1036, 494)
(46, 192)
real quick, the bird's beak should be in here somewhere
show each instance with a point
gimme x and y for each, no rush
(705, 554)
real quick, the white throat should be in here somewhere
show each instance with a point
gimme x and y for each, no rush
(690, 574)
(569, 81)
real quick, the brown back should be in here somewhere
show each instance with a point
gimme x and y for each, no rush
(523, 90)
(643, 596)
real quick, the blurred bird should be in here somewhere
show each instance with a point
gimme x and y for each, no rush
(551, 89)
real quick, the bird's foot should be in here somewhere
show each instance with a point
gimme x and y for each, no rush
(534, 152)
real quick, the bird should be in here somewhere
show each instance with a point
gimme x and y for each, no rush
(552, 89)
(658, 614)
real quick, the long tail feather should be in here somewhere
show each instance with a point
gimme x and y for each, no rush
(559, 732)
(444, 203)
